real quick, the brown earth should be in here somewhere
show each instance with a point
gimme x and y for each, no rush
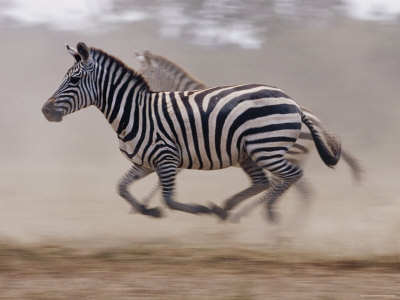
(170, 272)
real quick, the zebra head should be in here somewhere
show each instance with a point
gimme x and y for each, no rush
(77, 89)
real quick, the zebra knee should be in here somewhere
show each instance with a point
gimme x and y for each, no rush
(265, 183)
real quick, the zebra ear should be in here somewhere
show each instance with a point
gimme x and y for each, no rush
(148, 57)
(139, 56)
(73, 52)
(145, 59)
(83, 51)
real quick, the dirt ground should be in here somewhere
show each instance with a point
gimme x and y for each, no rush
(179, 272)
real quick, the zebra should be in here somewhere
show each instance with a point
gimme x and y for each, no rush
(252, 125)
(162, 74)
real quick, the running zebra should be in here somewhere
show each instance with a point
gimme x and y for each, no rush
(164, 75)
(250, 125)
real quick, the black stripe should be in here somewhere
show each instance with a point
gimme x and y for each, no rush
(118, 100)
(163, 156)
(113, 87)
(269, 128)
(254, 113)
(127, 111)
(301, 147)
(167, 117)
(158, 117)
(106, 80)
(182, 126)
(271, 140)
(204, 125)
(192, 122)
(261, 158)
(267, 149)
(151, 130)
(142, 130)
(136, 119)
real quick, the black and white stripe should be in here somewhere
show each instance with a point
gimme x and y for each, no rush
(251, 125)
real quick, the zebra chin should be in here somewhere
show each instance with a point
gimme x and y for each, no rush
(56, 117)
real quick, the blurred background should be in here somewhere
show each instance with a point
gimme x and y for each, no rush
(339, 58)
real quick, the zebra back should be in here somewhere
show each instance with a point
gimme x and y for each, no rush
(164, 76)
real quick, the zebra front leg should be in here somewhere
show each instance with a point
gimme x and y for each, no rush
(167, 172)
(148, 198)
(135, 173)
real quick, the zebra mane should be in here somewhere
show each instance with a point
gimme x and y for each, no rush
(97, 53)
(166, 65)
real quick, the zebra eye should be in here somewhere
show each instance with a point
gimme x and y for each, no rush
(74, 79)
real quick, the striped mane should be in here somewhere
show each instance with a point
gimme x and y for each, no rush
(165, 63)
(97, 54)
(165, 75)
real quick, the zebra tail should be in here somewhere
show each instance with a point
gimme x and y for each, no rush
(355, 165)
(328, 147)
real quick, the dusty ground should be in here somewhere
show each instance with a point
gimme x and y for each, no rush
(176, 272)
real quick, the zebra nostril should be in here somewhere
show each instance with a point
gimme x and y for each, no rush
(45, 109)
(48, 107)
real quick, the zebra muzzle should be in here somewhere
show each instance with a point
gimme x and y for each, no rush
(50, 112)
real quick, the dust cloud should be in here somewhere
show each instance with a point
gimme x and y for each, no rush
(57, 181)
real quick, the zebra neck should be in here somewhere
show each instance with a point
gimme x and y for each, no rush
(122, 101)
(120, 91)
(127, 109)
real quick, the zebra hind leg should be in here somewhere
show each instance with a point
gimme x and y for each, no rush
(167, 173)
(132, 175)
(288, 175)
(259, 181)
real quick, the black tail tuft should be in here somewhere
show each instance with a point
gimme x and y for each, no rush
(329, 149)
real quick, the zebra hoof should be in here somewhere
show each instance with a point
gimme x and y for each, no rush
(152, 212)
(220, 212)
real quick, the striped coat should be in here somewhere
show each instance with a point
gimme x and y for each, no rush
(250, 125)
(164, 75)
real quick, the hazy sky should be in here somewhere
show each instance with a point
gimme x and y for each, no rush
(65, 13)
